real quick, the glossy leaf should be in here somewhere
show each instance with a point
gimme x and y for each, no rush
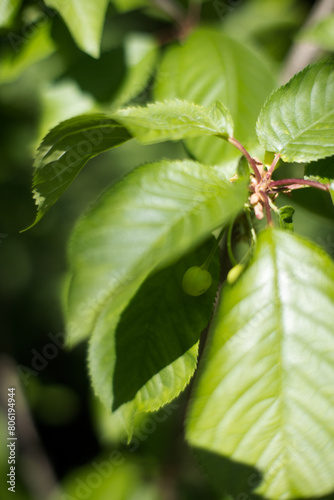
(297, 120)
(85, 21)
(265, 391)
(66, 149)
(151, 218)
(175, 119)
(234, 74)
(149, 357)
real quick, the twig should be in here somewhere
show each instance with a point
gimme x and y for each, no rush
(248, 157)
(267, 208)
(300, 182)
(194, 12)
(303, 53)
(273, 165)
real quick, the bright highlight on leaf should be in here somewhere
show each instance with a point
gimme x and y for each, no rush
(297, 120)
(264, 395)
(175, 119)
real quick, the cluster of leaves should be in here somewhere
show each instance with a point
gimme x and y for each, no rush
(262, 395)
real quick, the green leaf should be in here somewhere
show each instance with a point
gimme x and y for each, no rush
(265, 392)
(8, 10)
(152, 217)
(285, 217)
(243, 169)
(322, 171)
(26, 52)
(175, 119)
(297, 120)
(141, 54)
(64, 152)
(113, 473)
(321, 33)
(61, 101)
(269, 158)
(126, 5)
(260, 17)
(149, 357)
(85, 20)
(234, 74)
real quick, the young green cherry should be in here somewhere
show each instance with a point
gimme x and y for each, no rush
(234, 273)
(196, 281)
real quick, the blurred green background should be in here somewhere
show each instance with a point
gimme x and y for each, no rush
(45, 78)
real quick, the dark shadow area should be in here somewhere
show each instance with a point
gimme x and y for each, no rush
(229, 477)
(233, 478)
(160, 325)
(315, 200)
(99, 77)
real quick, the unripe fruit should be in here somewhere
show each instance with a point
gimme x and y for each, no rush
(196, 281)
(234, 273)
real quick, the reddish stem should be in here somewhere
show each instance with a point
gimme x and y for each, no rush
(267, 208)
(273, 165)
(248, 157)
(300, 182)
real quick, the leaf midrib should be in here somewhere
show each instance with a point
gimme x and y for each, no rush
(279, 314)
